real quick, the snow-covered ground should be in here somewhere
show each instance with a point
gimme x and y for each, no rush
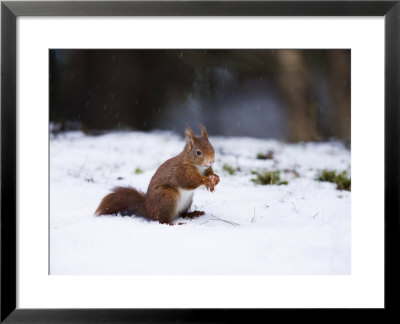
(299, 228)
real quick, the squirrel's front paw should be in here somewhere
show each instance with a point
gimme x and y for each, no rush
(214, 179)
(209, 184)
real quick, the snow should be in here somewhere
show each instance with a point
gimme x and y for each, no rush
(299, 228)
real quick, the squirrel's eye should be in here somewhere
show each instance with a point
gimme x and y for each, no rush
(198, 153)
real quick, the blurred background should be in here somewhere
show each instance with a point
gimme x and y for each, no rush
(290, 95)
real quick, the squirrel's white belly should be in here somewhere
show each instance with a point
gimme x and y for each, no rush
(202, 169)
(185, 200)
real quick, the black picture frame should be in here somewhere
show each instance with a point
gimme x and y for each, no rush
(10, 10)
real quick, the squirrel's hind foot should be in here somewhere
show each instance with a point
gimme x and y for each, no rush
(192, 214)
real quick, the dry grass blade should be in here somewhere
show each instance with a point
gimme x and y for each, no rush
(253, 220)
(224, 220)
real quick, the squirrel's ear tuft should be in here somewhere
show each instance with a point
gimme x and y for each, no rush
(203, 131)
(189, 137)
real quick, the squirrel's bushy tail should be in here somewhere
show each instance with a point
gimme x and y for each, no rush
(124, 200)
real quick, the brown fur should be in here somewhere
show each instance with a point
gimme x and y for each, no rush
(126, 200)
(180, 172)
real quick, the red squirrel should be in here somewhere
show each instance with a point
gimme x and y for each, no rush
(170, 192)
